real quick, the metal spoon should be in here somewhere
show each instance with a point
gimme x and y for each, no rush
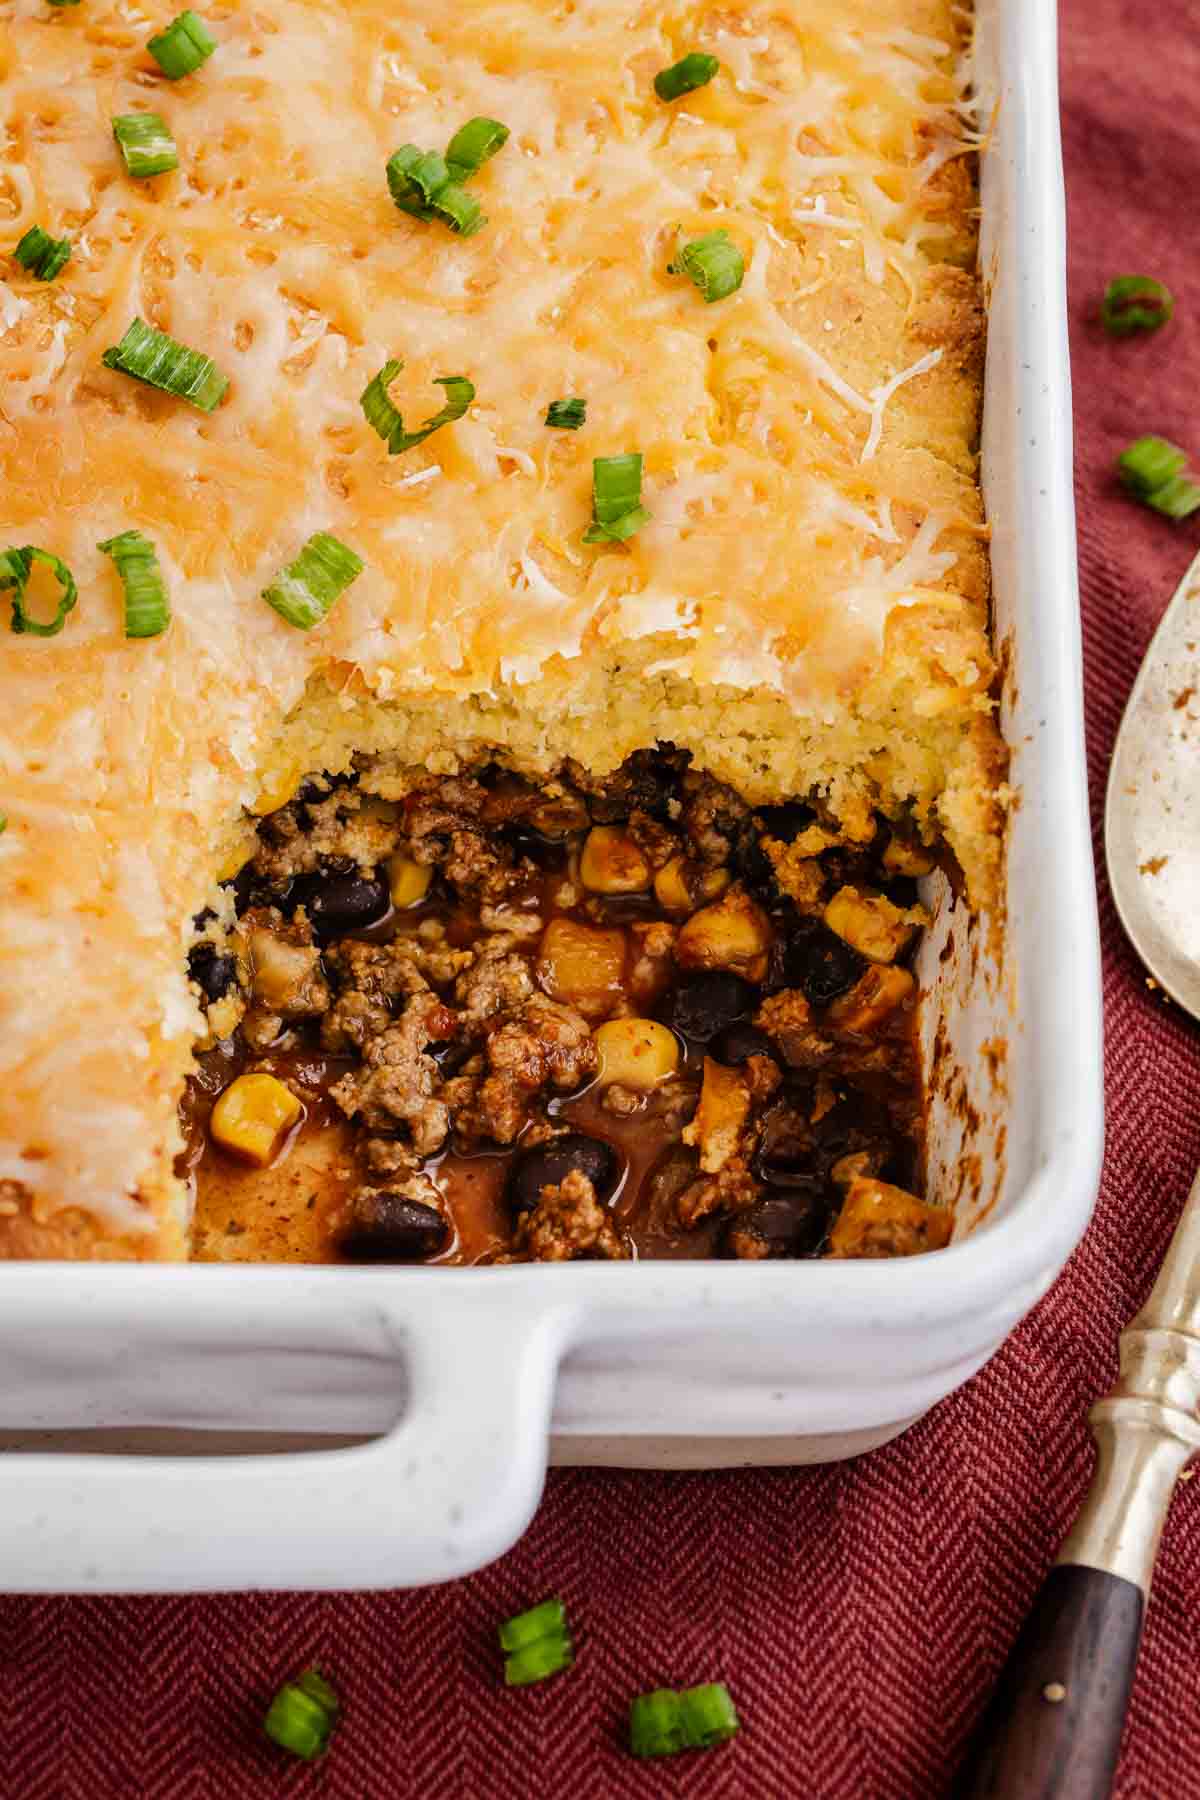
(1053, 1728)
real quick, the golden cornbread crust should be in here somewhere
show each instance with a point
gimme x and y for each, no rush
(807, 610)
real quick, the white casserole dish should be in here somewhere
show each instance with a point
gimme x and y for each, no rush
(475, 1377)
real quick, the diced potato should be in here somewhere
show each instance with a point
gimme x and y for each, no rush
(635, 1053)
(721, 1115)
(281, 971)
(583, 965)
(682, 886)
(612, 863)
(277, 790)
(408, 881)
(252, 1116)
(870, 924)
(878, 1219)
(874, 997)
(734, 934)
(903, 857)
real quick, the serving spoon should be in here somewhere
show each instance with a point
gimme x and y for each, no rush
(1052, 1730)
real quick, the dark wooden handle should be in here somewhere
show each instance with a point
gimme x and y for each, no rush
(1052, 1729)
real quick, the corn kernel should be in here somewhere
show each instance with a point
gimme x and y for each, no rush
(870, 924)
(734, 934)
(277, 791)
(681, 886)
(635, 1053)
(252, 1116)
(905, 858)
(408, 881)
(612, 863)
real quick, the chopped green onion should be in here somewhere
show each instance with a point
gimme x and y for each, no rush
(420, 183)
(472, 145)
(44, 256)
(153, 357)
(1153, 470)
(183, 47)
(4, 816)
(146, 144)
(616, 499)
(1134, 303)
(567, 414)
(693, 71)
(302, 1715)
(147, 609)
(527, 1627)
(304, 592)
(709, 1715)
(64, 2)
(384, 418)
(537, 1662)
(414, 176)
(16, 566)
(656, 1724)
(713, 262)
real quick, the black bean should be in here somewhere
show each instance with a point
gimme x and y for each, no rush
(388, 1228)
(339, 903)
(548, 1164)
(738, 1043)
(901, 890)
(708, 1002)
(788, 1224)
(213, 973)
(249, 889)
(524, 840)
(818, 962)
(787, 821)
(786, 1156)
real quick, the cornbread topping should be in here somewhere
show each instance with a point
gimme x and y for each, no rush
(758, 555)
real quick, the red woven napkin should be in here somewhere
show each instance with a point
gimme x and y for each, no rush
(858, 1612)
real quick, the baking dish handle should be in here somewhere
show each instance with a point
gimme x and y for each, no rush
(451, 1487)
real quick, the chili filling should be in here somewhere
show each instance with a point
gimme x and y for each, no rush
(481, 1019)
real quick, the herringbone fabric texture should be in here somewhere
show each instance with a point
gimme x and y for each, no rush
(858, 1612)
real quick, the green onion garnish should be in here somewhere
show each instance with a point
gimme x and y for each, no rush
(304, 592)
(662, 1723)
(16, 567)
(153, 357)
(64, 2)
(44, 256)
(183, 46)
(414, 177)
(1155, 472)
(527, 1627)
(617, 510)
(709, 1715)
(460, 211)
(1134, 303)
(538, 1644)
(146, 144)
(693, 71)
(713, 262)
(302, 1715)
(656, 1724)
(567, 414)
(472, 145)
(147, 609)
(384, 418)
(4, 816)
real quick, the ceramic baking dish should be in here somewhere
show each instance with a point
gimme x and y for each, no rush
(440, 1396)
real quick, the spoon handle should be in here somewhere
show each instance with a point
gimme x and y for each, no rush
(1052, 1730)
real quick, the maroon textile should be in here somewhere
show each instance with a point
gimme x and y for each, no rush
(858, 1612)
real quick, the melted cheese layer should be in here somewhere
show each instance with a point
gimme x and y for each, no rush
(811, 588)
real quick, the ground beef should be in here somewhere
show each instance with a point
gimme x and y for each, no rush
(733, 1189)
(788, 1018)
(498, 981)
(542, 1045)
(446, 831)
(347, 827)
(369, 978)
(399, 1080)
(714, 817)
(568, 1221)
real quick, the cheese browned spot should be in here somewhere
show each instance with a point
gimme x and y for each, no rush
(806, 609)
